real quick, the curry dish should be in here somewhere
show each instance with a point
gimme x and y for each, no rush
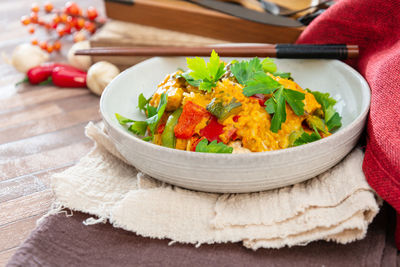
(236, 107)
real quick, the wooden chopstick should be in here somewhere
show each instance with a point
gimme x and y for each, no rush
(331, 51)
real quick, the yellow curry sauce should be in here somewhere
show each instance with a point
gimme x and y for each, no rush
(252, 123)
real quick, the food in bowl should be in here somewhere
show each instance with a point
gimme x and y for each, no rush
(235, 107)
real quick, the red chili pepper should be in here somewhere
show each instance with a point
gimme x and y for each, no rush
(212, 130)
(41, 73)
(236, 118)
(192, 114)
(68, 77)
(261, 99)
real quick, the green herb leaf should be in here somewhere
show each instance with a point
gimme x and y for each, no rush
(122, 120)
(151, 111)
(295, 100)
(332, 118)
(153, 121)
(138, 127)
(270, 105)
(307, 138)
(277, 106)
(204, 75)
(213, 147)
(268, 65)
(190, 79)
(148, 138)
(143, 102)
(285, 75)
(244, 71)
(280, 111)
(334, 122)
(154, 116)
(260, 83)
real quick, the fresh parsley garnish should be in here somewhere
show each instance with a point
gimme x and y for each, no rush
(123, 120)
(277, 105)
(213, 147)
(154, 115)
(268, 65)
(332, 118)
(307, 138)
(202, 75)
(260, 83)
(154, 119)
(285, 75)
(252, 75)
(244, 71)
(142, 102)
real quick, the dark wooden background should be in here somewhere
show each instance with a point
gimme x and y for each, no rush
(41, 132)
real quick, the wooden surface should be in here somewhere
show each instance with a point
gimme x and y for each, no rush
(205, 22)
(41, 132)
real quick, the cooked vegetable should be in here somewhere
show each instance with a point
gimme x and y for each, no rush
(154, 116)
(318, 123)
(213, 130)
(168, 138)
(242, 107)
(213, 147)
(307, 138)
(332, 119)
(221, 111)
(277, 105)
(191, 115)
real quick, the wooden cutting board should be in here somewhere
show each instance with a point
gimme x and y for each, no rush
(186, 17)
(179, 23)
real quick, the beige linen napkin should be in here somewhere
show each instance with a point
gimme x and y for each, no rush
(336, 206)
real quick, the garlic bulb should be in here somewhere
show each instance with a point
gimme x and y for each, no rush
(100, 75)
(27, 56)
(80, 62)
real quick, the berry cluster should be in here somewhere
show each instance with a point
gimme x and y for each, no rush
(70, 20)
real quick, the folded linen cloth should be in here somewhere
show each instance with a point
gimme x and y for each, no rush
(335, 206)
(374, 26)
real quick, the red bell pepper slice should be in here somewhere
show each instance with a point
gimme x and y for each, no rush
(212, 130)
(192, 114)
(195, 141)
(261, 99)
(161, 128)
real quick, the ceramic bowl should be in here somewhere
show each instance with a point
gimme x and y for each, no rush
(238, 172)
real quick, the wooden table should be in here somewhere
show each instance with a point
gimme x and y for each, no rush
(41, 133)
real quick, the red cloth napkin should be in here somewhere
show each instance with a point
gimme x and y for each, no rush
(374, 25)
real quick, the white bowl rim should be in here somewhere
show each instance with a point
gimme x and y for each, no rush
(366, 96)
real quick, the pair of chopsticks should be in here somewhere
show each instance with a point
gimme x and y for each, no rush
(328, 51)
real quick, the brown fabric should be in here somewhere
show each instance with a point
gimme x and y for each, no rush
(65, 241)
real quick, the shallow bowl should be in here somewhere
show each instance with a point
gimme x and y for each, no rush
(238, 172)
